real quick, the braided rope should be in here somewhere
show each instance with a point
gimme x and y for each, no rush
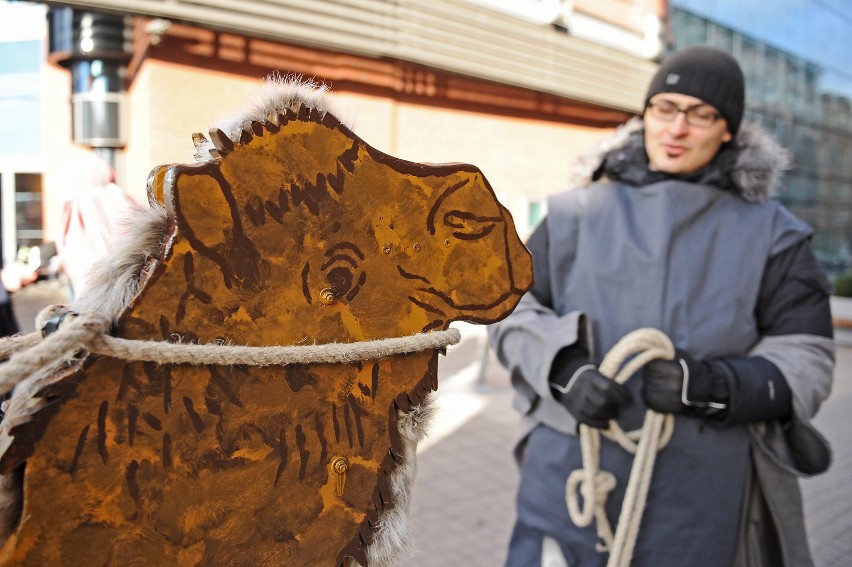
(88, 332)
(593, 484)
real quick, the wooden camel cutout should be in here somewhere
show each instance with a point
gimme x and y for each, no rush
(289, 230)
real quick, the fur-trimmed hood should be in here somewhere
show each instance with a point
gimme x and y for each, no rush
(757, 161)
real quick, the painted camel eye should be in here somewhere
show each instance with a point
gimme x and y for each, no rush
(342, 272)
(340, 280)
(468, 226)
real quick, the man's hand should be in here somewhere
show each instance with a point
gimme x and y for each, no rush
(588, 395)
(684, 385)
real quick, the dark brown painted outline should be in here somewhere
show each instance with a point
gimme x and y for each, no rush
(430, 218)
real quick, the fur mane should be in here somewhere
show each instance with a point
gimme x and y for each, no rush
(281, 95)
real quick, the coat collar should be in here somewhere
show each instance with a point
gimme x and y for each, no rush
(751, 166)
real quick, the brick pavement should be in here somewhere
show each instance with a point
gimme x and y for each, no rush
(463, 501)
(828, 497)
(28, 301)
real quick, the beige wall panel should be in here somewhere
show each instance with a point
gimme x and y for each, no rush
(58, 149)
(138, 151)
(372, 118)
(168, 103)
(625, 13)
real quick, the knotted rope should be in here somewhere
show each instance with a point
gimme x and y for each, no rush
(593, 484)
(88, 332)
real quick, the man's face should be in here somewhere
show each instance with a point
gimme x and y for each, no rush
(676, 146)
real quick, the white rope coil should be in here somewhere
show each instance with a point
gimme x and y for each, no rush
(595, 485)
(88, 332)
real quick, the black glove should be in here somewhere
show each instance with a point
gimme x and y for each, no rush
(731, 390)
(588, 395)
(685, 385)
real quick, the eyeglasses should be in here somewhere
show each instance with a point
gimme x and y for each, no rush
(700, 115)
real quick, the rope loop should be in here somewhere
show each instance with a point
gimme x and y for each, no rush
(632, 352)
(593, 489)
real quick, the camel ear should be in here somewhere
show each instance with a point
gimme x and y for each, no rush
(200, 208)
(156, 184)
(207, 216)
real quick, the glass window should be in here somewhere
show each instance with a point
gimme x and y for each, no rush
(536, 210)
(29, 227)
(800, 90)
(19, 57)
(723, 38)
(691, 29)
(20, 87)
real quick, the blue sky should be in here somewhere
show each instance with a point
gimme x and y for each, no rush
(817, 30)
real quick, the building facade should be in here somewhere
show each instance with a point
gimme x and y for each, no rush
(22, 52)
(517, 88)
(790, 97)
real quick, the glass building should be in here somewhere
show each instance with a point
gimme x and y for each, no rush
(802, 98)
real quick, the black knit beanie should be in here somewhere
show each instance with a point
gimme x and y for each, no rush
(706, 73)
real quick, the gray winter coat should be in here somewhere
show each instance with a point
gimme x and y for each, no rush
(670, 254)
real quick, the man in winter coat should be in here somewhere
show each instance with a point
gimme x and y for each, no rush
(675, 232)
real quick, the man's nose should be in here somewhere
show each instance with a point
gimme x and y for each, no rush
(678, 126)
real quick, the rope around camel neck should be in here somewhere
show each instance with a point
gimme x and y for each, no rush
(593, 484)
(88, 331)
